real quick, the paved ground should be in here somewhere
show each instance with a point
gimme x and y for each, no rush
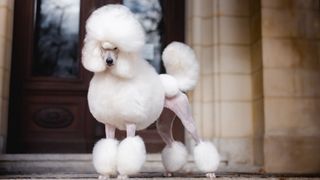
(158, 176)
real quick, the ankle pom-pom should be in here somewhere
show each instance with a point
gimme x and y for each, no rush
(206, 157)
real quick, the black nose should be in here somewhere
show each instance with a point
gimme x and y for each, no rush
(109, 61)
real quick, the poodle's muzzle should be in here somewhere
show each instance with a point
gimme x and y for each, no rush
(109, 53)
(109, 61)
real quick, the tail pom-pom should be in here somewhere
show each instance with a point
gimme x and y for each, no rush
(181, 63)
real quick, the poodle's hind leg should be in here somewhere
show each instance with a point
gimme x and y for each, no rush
(205, 154)
(180, 106)
(131, 153)
(174, 155)
(164, 125)
(105, 154)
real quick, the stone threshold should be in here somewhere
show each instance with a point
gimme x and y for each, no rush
(81, 163)
(79, 166)
(157, 176)
(60, 163)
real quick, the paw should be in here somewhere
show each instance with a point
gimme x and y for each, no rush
(174, 156)
(122, 177)
(104, 157)
(167, 174)
(211, 175)
(131, 155)
(102, 177)
(206, 157)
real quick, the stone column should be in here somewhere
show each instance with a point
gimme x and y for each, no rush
(291, 81)
(200, 37)
(6, 23)
(233, 85)
(224, 100)
(257, 82)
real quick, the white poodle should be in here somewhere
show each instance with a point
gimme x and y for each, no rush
(127, 93)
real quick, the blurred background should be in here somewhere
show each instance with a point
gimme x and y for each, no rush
(258, 98)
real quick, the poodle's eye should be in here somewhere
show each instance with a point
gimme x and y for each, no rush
(115, 48)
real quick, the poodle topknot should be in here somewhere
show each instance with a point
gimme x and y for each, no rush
(116, 24)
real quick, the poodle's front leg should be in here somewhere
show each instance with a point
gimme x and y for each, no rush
(110, 131)
(131, 153)
(131, 130)
(105, 154)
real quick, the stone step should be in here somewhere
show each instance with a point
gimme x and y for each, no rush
(79, 166)
(81, 163)
(158, 176)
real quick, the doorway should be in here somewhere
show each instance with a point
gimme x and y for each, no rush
(48, 110)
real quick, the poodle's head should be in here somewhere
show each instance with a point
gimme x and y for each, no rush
(110, 30)
(98, 56)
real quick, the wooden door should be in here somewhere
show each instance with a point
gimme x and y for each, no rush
(48, 110)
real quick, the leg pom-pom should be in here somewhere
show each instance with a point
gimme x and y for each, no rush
(131, 155)
(206, 157)
(105, 156)
(174, 156)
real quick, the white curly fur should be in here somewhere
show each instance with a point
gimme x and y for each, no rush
(125, 65)
(111, 23)
(181, 63)
(104, 156)
(131, 155)
(91, 55)
(174, 156)
(170, 85)
(206, 157)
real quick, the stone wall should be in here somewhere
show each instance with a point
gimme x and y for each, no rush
(224, 100)
(258, 96)
(291, 77)
(6, 23)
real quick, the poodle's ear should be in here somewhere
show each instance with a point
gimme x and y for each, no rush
(123, 68)
(91, 55)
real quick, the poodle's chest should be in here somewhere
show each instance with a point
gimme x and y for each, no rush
(115, 101)
(114, 92)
